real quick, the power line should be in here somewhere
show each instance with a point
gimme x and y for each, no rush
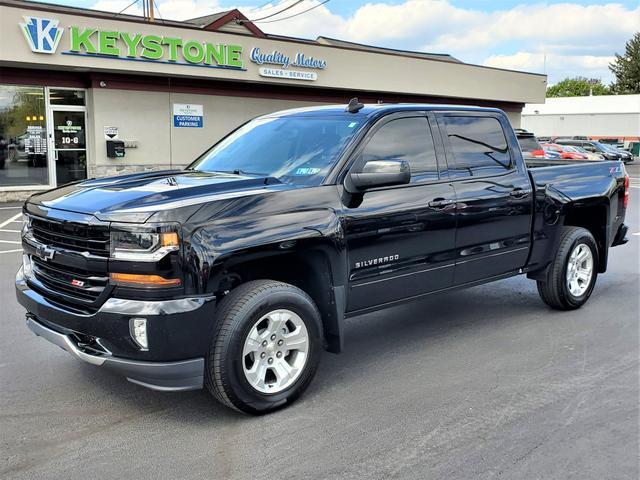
(296, 14)
(260, 7)
(130, 5)
(280, 11)
(158, 10)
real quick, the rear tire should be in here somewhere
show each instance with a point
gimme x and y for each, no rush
(572, 274)
(258, 322)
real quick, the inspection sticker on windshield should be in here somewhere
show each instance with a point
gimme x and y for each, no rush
(307, 171)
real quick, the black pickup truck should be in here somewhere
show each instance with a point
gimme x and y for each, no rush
(236, 272)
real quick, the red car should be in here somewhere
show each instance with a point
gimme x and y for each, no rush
(566, 151)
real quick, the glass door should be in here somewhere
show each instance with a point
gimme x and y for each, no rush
(69, 152)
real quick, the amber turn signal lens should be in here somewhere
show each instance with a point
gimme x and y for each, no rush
(169, 239)
(136, 280)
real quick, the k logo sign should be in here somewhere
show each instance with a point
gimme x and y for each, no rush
(42, 34)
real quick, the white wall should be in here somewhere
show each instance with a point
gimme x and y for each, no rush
(599, 125)
(146, 120)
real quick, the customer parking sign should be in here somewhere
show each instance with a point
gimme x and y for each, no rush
(187, 115)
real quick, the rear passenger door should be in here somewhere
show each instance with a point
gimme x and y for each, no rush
(400, 239)
(493, 193)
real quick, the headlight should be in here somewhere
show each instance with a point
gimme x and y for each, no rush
(147, 244)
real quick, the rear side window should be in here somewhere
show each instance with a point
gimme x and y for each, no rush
(479, 146)
(407, 139)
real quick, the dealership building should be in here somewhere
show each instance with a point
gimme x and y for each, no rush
(88, 94)
(603, 117)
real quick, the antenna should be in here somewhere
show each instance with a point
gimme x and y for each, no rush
(354, 106)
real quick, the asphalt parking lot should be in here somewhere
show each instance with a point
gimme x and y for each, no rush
(482, 383)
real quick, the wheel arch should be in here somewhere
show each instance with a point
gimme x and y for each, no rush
(593, 216)
(312, 270)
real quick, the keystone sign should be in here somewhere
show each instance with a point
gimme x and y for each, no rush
(43, 36)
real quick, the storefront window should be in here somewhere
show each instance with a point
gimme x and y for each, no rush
(60, 96)
(23, 139)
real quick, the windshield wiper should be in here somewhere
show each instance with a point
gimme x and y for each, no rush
(237, 171)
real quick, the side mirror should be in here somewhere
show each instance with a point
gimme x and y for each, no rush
(378, 173)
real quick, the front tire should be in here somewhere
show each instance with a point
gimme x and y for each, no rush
(572, 274)
(266, 347)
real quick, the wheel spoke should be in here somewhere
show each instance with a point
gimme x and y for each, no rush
(257, 375)
(284, 372)
(296, 340)
(277, 321)
(582, 254)
(253, 342)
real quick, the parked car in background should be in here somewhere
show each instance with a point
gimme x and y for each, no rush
(591, 146)
(529, 144)
(590, 155)
(626, 157)
(550, 153)
(565, 152)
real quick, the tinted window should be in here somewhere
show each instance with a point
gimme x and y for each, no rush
(529, 144)
(407, 139)
(293, 149)
(479, 146)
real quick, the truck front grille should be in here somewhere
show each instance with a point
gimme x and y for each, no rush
(72, 236)
(68, 284)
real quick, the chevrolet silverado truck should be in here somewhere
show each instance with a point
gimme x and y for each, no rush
(235, 273)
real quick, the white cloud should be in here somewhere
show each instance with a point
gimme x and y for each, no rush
(576, 39)
(562, 66)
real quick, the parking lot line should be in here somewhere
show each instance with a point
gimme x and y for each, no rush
(11, 220)
(10, 251)
(10, 208)
(11, 241)
(6, 230)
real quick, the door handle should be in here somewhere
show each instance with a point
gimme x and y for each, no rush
(439, 203)
(519, 193)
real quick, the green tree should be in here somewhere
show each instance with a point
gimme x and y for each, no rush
(578, 87)
(626, 68)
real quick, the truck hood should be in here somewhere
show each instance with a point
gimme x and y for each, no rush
(138, 196)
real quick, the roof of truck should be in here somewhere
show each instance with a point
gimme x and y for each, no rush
(370, 109)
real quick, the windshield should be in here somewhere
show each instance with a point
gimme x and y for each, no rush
(610, 148)
(295, 150)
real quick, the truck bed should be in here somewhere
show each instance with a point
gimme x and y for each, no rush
(578, 179)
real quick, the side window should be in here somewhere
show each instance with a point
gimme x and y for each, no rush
(479, 146)
(407, 139)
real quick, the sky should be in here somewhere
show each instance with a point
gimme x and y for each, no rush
(559, 38)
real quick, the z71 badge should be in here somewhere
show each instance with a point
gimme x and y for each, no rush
(376, 261)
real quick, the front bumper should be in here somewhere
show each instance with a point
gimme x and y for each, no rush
(179, 333)
(168, 376)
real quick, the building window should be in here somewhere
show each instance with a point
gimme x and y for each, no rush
(62, 96)
(23, 139)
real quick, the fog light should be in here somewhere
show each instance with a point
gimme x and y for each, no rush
(138, 329)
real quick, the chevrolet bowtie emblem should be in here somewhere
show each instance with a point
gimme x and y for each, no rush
(45, 253)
